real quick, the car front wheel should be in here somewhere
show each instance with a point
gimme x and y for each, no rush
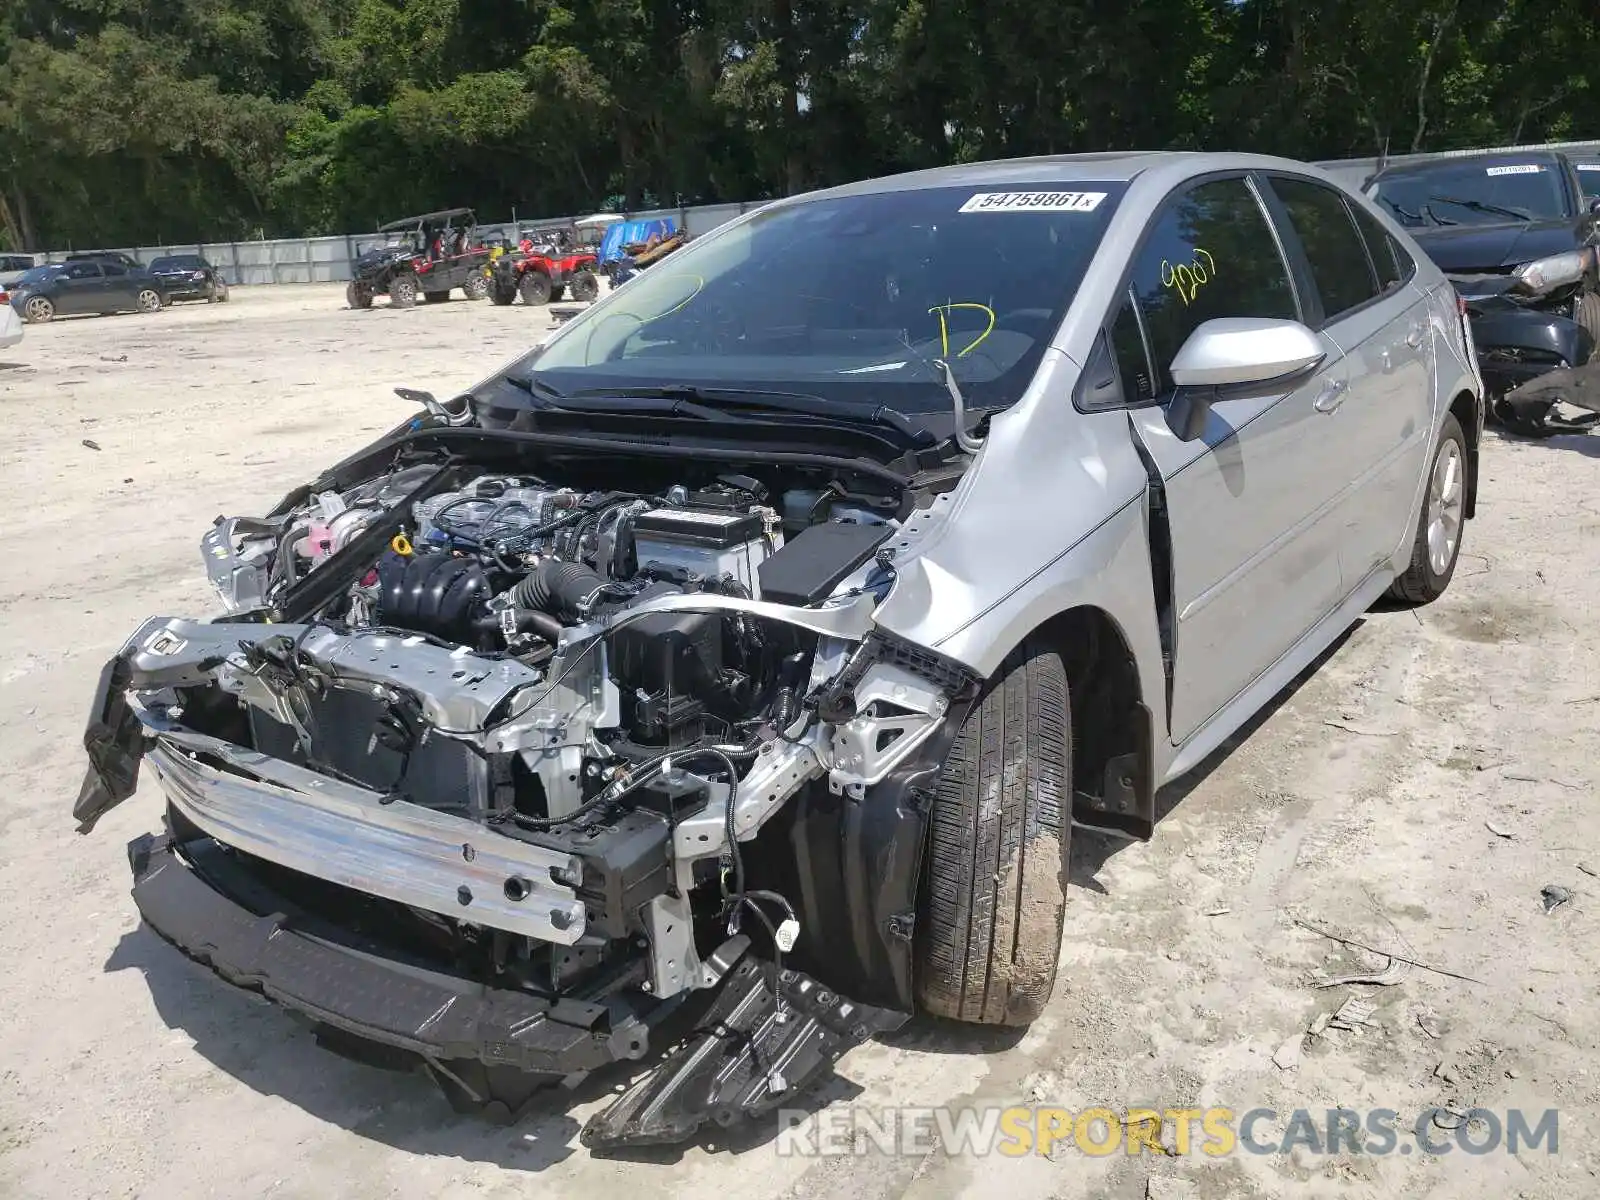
(993, 896)
(403, 291)
(1437, 543)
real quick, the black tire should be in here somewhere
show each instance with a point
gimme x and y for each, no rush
(585, 287)
(476, 287)
(403, 291)
(993, 900)
(1586, 312)
(357, 295)
(222, 293)
(535, 287)
(558, 292)
(502, 295)
(1425, 580)
(436, 297)
(36, 310)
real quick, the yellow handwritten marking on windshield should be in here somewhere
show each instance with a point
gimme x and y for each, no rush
(641, 322)
(1189, 277)
(944, 311)
(699, 286)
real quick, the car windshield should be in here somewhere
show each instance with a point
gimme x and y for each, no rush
(853, 298)
(38, 274)
(1474, 194)
(177, 262)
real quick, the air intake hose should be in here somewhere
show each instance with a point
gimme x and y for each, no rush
(558, 588)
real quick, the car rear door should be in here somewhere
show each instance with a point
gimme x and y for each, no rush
(120, 287)
(1381, 323)
(1253, 554)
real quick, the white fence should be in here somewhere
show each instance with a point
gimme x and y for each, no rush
(328, 259)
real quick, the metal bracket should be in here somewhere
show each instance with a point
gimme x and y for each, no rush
(896, 711)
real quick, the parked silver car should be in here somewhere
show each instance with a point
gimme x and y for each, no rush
(746, 654)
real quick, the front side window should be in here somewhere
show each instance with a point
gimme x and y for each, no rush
(82, 270)
(852, 297)
(1210, 254)
(1333, 244)
(1473, 193)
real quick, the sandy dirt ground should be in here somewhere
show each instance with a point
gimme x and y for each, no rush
(1415, 792)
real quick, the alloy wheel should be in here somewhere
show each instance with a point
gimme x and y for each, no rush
(1446, 493)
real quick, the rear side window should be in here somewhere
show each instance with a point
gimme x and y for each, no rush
(1211, 253)
(1393, 264)
(82, 270)
(114, 268)
(1332, 243)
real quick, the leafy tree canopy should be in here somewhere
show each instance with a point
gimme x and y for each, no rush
(128, 121)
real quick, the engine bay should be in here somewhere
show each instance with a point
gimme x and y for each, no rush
(620, 686)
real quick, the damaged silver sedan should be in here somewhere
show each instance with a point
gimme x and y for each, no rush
(718, 684)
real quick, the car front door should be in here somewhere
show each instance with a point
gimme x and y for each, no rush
(1385, 417)
(81, 286)
(1253, 549)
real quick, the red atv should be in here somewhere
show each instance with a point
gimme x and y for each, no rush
(547, 265)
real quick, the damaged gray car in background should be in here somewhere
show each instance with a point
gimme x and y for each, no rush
(718, 684)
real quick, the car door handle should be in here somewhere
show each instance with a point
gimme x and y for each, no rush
(1331, 396)
(1414, 337)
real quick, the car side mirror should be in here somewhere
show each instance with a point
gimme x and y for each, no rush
(1233, 355)
(1594, 204)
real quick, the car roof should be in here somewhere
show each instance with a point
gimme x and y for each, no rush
(1498, 158)
(1121, 167)
(441, 215)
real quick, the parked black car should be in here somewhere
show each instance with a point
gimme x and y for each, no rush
(1517, 234)
(190, 277)
(427, 255)
(85, 285)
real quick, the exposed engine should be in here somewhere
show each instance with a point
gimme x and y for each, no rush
(509, 566)
(615, 688)
(547, 733)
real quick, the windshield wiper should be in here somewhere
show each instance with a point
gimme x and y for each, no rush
(1480, 206)
(801, 403)
(534, 387)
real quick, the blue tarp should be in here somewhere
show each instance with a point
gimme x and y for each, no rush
(626, 232)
